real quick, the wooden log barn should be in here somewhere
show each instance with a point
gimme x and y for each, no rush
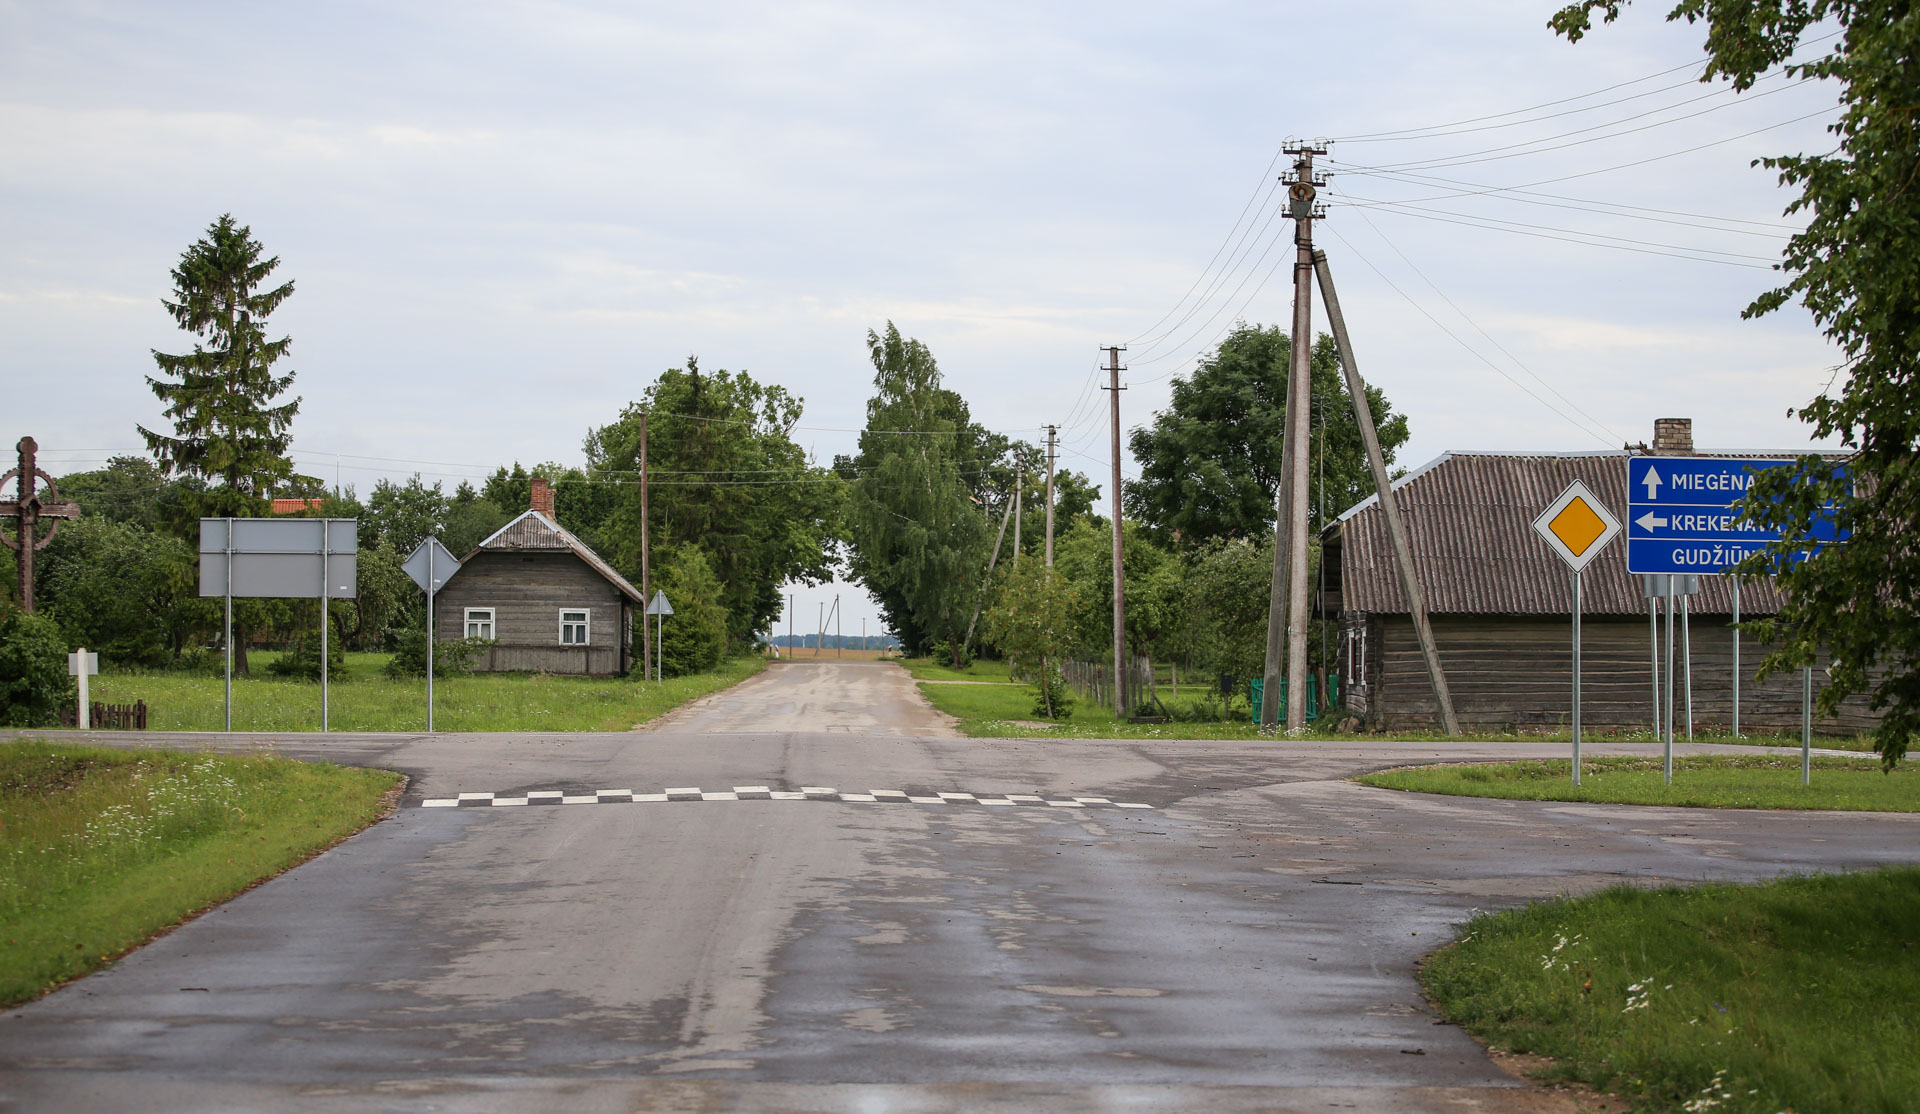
(549, 603)
(1500, 601)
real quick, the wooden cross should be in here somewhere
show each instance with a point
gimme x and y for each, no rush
(27, 510)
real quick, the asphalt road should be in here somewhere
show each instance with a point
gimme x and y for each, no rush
(1245, 943)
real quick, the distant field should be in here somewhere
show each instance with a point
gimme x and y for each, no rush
(812, 653)
(368, 701)
(100, 849)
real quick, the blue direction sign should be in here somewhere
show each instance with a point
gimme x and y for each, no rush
(1681, 516)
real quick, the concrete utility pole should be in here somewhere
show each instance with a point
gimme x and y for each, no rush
(1299, 417)
(1053, 436)
(646, 567)
(1119, 587)
(1389, 505)
(1290, 518)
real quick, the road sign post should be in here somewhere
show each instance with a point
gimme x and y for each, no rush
(1683, 517)
(283, 558)
(1576, 526)
(659, 608)
(430, 566)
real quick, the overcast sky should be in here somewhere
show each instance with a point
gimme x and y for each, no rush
(505, 219)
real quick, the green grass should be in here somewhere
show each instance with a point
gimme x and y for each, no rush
(368, 701)
(926, 669)
(100, 849)
(1699, 781)
(1796, 995)
(1007, 712)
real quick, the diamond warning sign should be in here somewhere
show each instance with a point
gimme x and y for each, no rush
(1577, 526)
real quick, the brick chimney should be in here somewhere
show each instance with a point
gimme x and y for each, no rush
(542, 500)
(1673, 436)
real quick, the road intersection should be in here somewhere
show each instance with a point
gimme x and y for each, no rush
(1246, 942)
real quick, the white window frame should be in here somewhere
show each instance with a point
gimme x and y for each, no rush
(474, 618)
(584, 622)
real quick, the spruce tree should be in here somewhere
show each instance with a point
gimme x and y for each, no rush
(220, 397)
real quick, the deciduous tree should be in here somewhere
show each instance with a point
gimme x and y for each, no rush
(1855, 269)
(1210, 463)
(919, 537)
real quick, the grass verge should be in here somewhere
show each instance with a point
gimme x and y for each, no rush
(1006, 711)
(102, 849)
(1699, 781)
(369, 701)
(1793, 995)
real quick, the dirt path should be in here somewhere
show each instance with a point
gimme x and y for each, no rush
(855, 697)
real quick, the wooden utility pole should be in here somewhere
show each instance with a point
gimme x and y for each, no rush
(27, 509)
(1053, 436)
(981, 596)
(1019, 504)
(1390, 506)
(646, 568)
(1119, 580)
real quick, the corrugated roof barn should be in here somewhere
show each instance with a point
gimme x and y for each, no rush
(1500, 602)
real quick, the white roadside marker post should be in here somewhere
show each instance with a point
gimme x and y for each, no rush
(81, 665)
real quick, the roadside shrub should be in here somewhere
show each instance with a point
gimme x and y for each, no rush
(694, 638)
(33, 669)
(450, 658)
(302, 660)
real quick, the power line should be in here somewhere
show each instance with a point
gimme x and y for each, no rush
(1408, 132)
(1569, 236)
(1493, 154)
(1596, 423)
(1476, 353)
(1650, 159)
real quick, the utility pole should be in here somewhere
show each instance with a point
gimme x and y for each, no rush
(839, 643)
(1053, 437)
(1019, 504)
(820, 640)
(646, 568)
(1300, 195)
(1119, 587)
(790, 647)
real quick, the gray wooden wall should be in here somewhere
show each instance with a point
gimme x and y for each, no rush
(527, 592)
(1517, 672)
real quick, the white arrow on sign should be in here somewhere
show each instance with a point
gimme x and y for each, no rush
(1648, 521)
(1653, 483)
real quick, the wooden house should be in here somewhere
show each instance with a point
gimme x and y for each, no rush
(1500, 604)
(549, 603)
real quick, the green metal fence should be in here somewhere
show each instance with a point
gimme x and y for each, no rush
(1257, 689)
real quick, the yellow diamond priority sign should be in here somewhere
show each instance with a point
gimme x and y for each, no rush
(1577, 526)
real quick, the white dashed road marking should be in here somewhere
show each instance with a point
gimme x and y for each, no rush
(761, 793)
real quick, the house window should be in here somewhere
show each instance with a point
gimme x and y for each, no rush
(479, 622)
(573, 627)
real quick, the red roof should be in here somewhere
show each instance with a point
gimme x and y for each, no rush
(295, 506)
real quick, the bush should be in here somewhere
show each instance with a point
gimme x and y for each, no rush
(694, 638)
(302, 660)
(34, 685)
(450, 659)
(1054, 699)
